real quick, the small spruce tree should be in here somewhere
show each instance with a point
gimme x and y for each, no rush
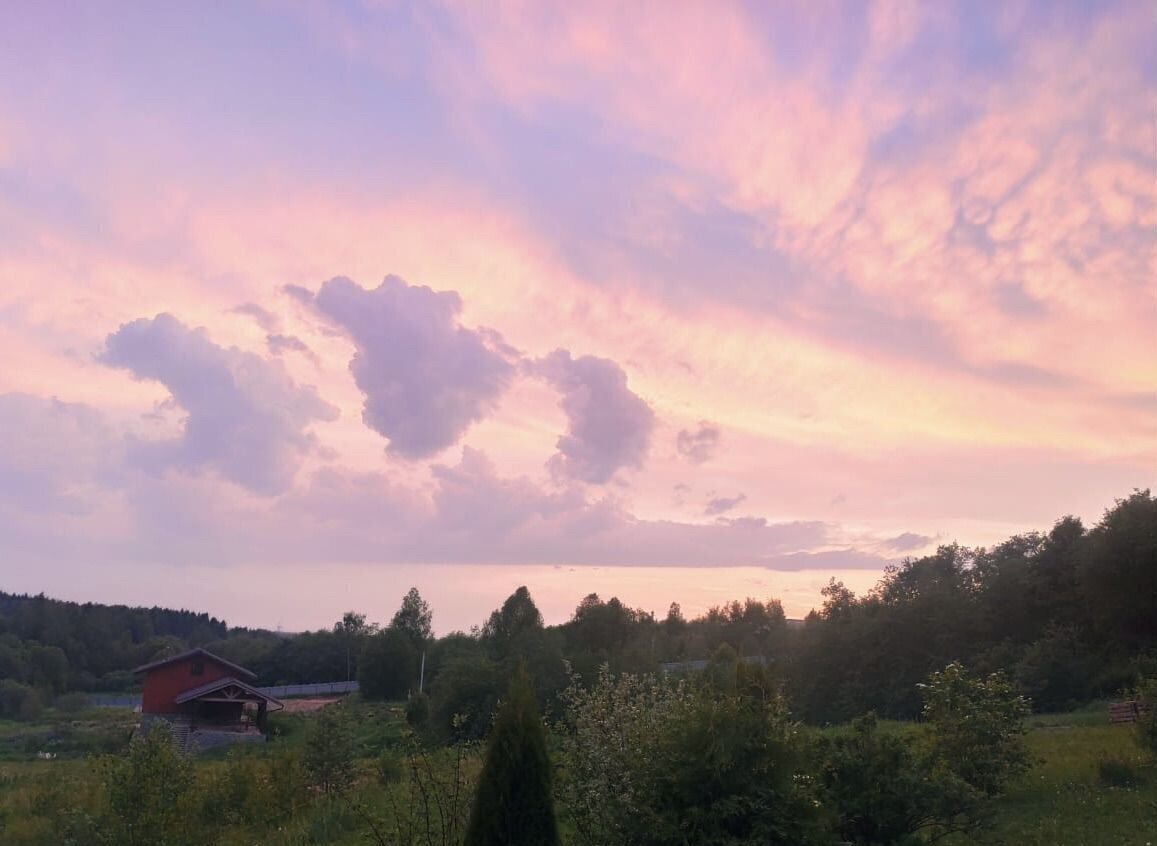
(514, 805)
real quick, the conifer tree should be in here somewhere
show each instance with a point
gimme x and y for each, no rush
(514, 805)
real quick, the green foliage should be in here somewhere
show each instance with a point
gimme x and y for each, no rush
(652, 762)
(974, 728)
(251, 790)
(18, 701)
(148, 793)
(514, 805)
(71, 703)
(388, 666)
(54, 645)
(1116, 771)
(427, 795)
(722, 669)
(882, 791)
(1065, 613)
(328, 757)
(513, 625)
(1057, 671)
(418, 710)
(609, 730)
(1146, 696)
(414, 619)
(1119, 573)
(463, 697)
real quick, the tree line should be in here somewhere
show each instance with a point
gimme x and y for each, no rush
(1069, 615)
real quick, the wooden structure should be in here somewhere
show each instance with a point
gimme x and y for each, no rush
(1126, 712)
(200, 693)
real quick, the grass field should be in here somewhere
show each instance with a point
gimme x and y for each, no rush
(1066, 801)
(1089, 785)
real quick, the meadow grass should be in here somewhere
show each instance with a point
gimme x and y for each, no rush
(1065, 801)
(1089, 785)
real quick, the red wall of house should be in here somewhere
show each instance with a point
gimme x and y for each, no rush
(162, 685)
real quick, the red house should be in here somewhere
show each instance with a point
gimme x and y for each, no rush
(206, 699)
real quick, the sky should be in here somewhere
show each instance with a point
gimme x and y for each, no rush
(305, 303)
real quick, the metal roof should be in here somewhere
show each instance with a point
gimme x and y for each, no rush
(228, 681)
(195, 653)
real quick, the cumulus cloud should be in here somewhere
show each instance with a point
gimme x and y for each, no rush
(425, 377)
(609, 426)
(245, 417)
(723, 504)
(66, 493)
(698, 445)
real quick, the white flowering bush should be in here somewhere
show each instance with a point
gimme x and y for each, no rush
(610, 731)
(654, 762)
(975, 727)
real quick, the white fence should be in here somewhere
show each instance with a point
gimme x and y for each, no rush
(322, 689)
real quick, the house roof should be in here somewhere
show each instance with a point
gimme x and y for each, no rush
(196, 653)
(248, 691)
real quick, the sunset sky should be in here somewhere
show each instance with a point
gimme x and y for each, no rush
(304, 303)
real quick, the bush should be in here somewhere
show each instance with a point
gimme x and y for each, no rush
(514, 805)
(149, 793)
(880, 790)
(656, 763)
(19, 701)
(975, 727)
(464, 696)
(1117, 772)
(418, 710)
(1147, 721)
(609, 730)
(329, 752)
(71, 703)
(388, 768)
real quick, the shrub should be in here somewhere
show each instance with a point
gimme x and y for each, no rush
(18, 701)
(328, 759)
(427, 795)
(1147, 721)
(71, 703)
(514, 805)
(975, 727)
(388, 768)
(149, 793)
(464, 696)
(1117, 772)
(418, 709)
(652, 762)
(880, 790)
(608, 734)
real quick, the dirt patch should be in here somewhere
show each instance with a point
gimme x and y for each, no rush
(306, 706)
